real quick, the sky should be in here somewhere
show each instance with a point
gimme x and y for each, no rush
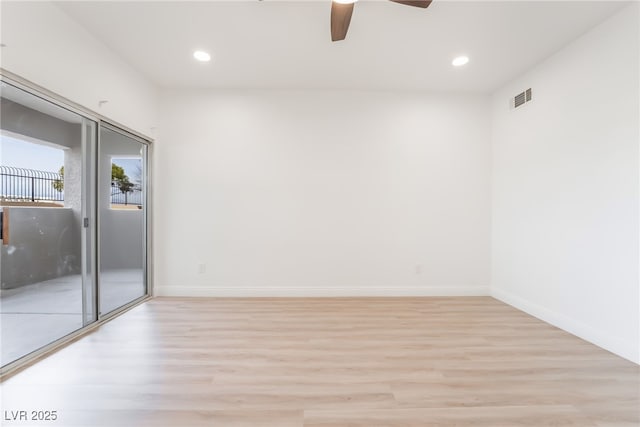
(131, 168)
(21, 154)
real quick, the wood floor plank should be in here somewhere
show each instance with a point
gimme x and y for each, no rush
(167, 418)
(497, 416)
(463, 361)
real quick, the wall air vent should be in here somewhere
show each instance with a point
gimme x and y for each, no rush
(521, 98)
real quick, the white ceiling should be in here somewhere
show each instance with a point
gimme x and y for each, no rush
(286, 44)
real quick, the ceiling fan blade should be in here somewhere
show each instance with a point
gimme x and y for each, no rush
(340, 19)
(417, 3)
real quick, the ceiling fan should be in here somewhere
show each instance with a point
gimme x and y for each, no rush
(341, 11)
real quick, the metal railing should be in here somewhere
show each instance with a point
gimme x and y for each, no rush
(28, 185)
(131, 197)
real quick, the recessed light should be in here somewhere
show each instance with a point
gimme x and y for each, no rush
(460, 61)
(202, 56)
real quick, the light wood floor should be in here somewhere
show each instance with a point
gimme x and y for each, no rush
(329, 362)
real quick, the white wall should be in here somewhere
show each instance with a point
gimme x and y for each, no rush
(47, 47)
(565, 229)
(322, 193)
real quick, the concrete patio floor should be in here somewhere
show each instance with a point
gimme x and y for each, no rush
(35, 315)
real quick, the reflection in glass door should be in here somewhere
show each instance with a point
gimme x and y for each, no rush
(46, 274)
(121, 218)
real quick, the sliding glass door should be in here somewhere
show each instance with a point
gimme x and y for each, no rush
(122, 218)
(46, 198)
(73, 227)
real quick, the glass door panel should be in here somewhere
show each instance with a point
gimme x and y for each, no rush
(121, 216)
(46, 277)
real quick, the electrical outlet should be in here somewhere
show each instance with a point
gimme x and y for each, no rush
(202, 268)
(418, 269)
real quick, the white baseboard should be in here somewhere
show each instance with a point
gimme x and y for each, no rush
(211, 291)
(627, 350)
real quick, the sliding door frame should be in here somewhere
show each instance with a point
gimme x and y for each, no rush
(101, 121)
(146, 258)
